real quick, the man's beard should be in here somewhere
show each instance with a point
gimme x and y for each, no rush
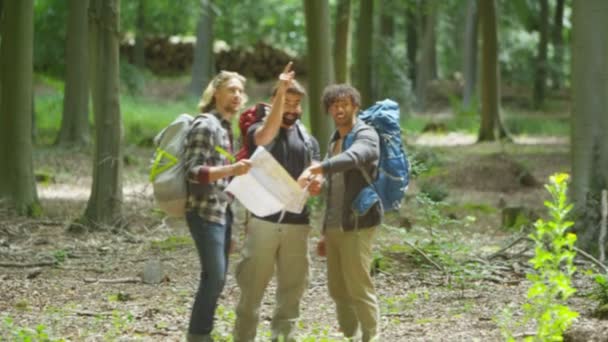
(290, 118)
(231, 109)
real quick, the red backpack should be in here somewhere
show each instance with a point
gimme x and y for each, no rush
(250, 116)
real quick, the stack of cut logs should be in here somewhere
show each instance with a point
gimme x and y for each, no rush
(171, 56)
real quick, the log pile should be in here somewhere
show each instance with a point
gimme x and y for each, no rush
(166, 55)
(163, 55)
(262, 61)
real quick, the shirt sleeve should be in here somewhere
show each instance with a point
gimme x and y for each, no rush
(364, 150)
(316, 151)
(251, 137)
(199, 149)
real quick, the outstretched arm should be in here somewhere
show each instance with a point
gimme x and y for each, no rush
(269, 129)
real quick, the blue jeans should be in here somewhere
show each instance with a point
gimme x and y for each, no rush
(212, 242)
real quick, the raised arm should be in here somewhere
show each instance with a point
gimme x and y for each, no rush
(269, 129)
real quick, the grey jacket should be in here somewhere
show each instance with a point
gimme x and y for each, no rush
(360, 149)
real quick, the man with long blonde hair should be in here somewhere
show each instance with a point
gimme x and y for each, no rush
(209, 167)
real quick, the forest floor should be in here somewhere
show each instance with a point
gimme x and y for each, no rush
(65, 281)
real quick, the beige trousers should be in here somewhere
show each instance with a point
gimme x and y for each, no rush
(268, 246)
(349, 256)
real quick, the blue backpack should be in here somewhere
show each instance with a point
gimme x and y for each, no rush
(393, 176)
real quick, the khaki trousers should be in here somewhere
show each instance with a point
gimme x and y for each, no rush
(349, 256)
(268, 246)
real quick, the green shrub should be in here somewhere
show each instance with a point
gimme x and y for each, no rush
(553, 268)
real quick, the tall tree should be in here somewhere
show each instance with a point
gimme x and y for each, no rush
(365, 29)
(589, 119)
(470, 53)
(75, 120)
(541, 66)
(105, 204)
(17, 184)
(491, 126)
(140, 35)
(558, 44)
(411, 34)
(387, 19)
(425, 60)
(320, 66)
(342, 41)
(202, 66)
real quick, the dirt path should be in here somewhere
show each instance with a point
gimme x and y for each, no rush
(418, 302)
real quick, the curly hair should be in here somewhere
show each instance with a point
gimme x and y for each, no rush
(337, 91)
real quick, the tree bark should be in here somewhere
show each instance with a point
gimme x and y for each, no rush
(320, 66)
(364, 51)
(412, 39)
(424, 64)
(589, 119)
(17, 184)
(105, 204)
(489, 71)
(342, 41)
(558, 44)
(470, 54)
(74, 129)
(540, 78)
(387, 20)
(202, 66)
(140, 35)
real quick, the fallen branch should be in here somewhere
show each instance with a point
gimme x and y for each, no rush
(504, 249)
(398, 314)
(525, 334)
(85, 269)
(424, 255)
(91, 313)
(157, 332)
(27, 264)
(591, 258)
(437, 266)
(113, 281)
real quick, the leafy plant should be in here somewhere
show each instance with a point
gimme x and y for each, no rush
(60, 255)
(600, 292)
(553, 265)
(24, 334)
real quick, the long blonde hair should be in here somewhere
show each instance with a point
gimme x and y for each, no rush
(207, 101)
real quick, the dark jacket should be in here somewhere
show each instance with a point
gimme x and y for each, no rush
(360, 149)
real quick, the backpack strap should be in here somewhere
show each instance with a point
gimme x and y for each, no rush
(307, 141)
(303, 133)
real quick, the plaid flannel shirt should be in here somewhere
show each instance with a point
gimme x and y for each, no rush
(207, 198)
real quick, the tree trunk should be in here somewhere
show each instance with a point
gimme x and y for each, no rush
(75, 120)
(140, 35)
(342, 41)
(17, 184)
(558, 44)
(470, 54)
(424, 65)
(104, 205)
(541, 59)
(202, 66)
(320, 67)
(489, 71)
(387, 20)
(589, 119)
(364, 51)
(412, 39)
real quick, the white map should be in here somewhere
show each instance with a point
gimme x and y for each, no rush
(268, 188)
